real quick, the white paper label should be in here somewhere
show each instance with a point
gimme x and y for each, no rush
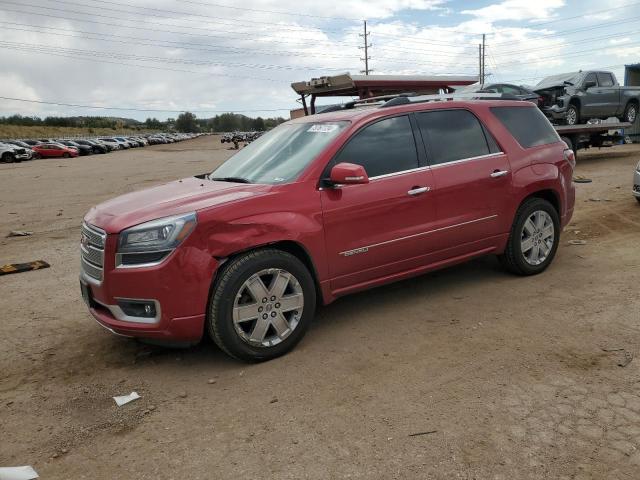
(322, 128)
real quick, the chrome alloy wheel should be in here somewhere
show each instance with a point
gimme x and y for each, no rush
(572, 116)
(268, 307)
(631, 114)
(537, 238)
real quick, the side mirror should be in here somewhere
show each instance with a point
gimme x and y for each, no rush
(348, 174)
(589, 84)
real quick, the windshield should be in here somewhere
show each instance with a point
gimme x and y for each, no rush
(280, 155)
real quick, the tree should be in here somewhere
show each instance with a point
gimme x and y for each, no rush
(186, 122)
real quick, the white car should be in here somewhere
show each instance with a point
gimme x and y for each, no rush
(12, 153)
(636, 183)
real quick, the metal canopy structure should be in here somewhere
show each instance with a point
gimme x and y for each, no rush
(365, 86)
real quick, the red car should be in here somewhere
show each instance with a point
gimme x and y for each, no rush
(323, 206)
(49, 150)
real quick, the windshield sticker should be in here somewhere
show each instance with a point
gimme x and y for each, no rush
(322, 128)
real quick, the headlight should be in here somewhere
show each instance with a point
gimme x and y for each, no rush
(638, 167)
(149, 243)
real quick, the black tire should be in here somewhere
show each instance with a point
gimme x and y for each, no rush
(65, 155)
(638, 199)
(513, 259)
(7, 158)
(574, 117)
(228, 285)
(630, 113)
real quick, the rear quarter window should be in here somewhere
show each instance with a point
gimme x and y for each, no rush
(527, 125)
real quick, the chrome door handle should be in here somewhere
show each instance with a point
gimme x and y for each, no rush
(418, 191)
(499, 173)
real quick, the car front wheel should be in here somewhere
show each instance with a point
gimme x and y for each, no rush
(534, 238)
(261, 305)
(630, 113)
(573, 115)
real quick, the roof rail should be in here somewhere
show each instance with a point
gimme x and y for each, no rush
(409, 98)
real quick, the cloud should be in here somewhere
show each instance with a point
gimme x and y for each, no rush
(516, 10)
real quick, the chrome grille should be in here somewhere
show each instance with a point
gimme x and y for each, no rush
(92, 251)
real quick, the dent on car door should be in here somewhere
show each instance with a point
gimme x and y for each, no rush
(472, 178)
(378, 229)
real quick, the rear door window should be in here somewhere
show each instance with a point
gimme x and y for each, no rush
(528, 125)
(382, 148)
(453, 135)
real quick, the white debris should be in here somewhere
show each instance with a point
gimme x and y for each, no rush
(124, 399)
(17, 473)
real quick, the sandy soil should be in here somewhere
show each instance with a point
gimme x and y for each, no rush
(516, 378)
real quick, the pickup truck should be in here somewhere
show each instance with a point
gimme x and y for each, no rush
(574, 98)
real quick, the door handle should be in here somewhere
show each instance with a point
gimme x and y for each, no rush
(418, 190)
(499, 173)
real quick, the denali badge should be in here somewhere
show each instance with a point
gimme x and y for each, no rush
(356, 251)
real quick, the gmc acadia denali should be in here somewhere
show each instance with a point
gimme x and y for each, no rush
(323, 206)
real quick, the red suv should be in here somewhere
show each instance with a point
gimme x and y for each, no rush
(323, 206)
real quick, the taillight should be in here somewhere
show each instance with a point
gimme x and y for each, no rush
(570, 157)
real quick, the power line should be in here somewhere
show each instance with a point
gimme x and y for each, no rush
(173, 44)
(133, 109)
(126, 56)
(570, 31)
(581, 40)
(298, 28)
(245, 9)
(191, 34)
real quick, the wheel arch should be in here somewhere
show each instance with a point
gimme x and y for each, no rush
(289, 246)
(549, 195)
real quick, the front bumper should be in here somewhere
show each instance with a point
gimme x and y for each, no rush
(179, 286)
(555, 112)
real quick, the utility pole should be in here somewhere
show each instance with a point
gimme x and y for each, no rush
(484, 46)
(480, 64)
(366, 58)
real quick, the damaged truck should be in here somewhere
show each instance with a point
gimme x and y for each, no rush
(574, 98)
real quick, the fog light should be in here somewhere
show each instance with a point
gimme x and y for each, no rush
(138, 308)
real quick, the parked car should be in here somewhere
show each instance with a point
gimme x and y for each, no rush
(114, 143)
(636, 183)
(323, 206)
(30, 153)
(509, 90)
(52, 150)
(12, 153)
(95, 146)
(574, 98)
(31, 143)
(82, 149)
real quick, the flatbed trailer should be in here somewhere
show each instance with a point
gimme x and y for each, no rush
(580, 137)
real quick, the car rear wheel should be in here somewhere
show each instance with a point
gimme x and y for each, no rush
(630, 113)
(572, 116)
(534, 238)
(7, 158)
(261, 305)
(65, 155)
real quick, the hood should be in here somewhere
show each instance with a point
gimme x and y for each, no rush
(182, 196)
(555, 81)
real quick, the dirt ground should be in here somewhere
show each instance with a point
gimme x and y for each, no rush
(510, 378)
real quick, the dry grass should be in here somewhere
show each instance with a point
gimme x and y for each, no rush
(17, 131)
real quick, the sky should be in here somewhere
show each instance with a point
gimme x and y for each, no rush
(155, 58)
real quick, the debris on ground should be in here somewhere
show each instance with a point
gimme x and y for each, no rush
(628, 357)
(124, 399)
(23, 267)
(19, 233)
(182, 394)
(273, 400)
(581, 179)
(577, 242)
(211, 381)
(18, 473)
(423, 433)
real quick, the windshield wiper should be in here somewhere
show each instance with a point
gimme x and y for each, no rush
(230, 179)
